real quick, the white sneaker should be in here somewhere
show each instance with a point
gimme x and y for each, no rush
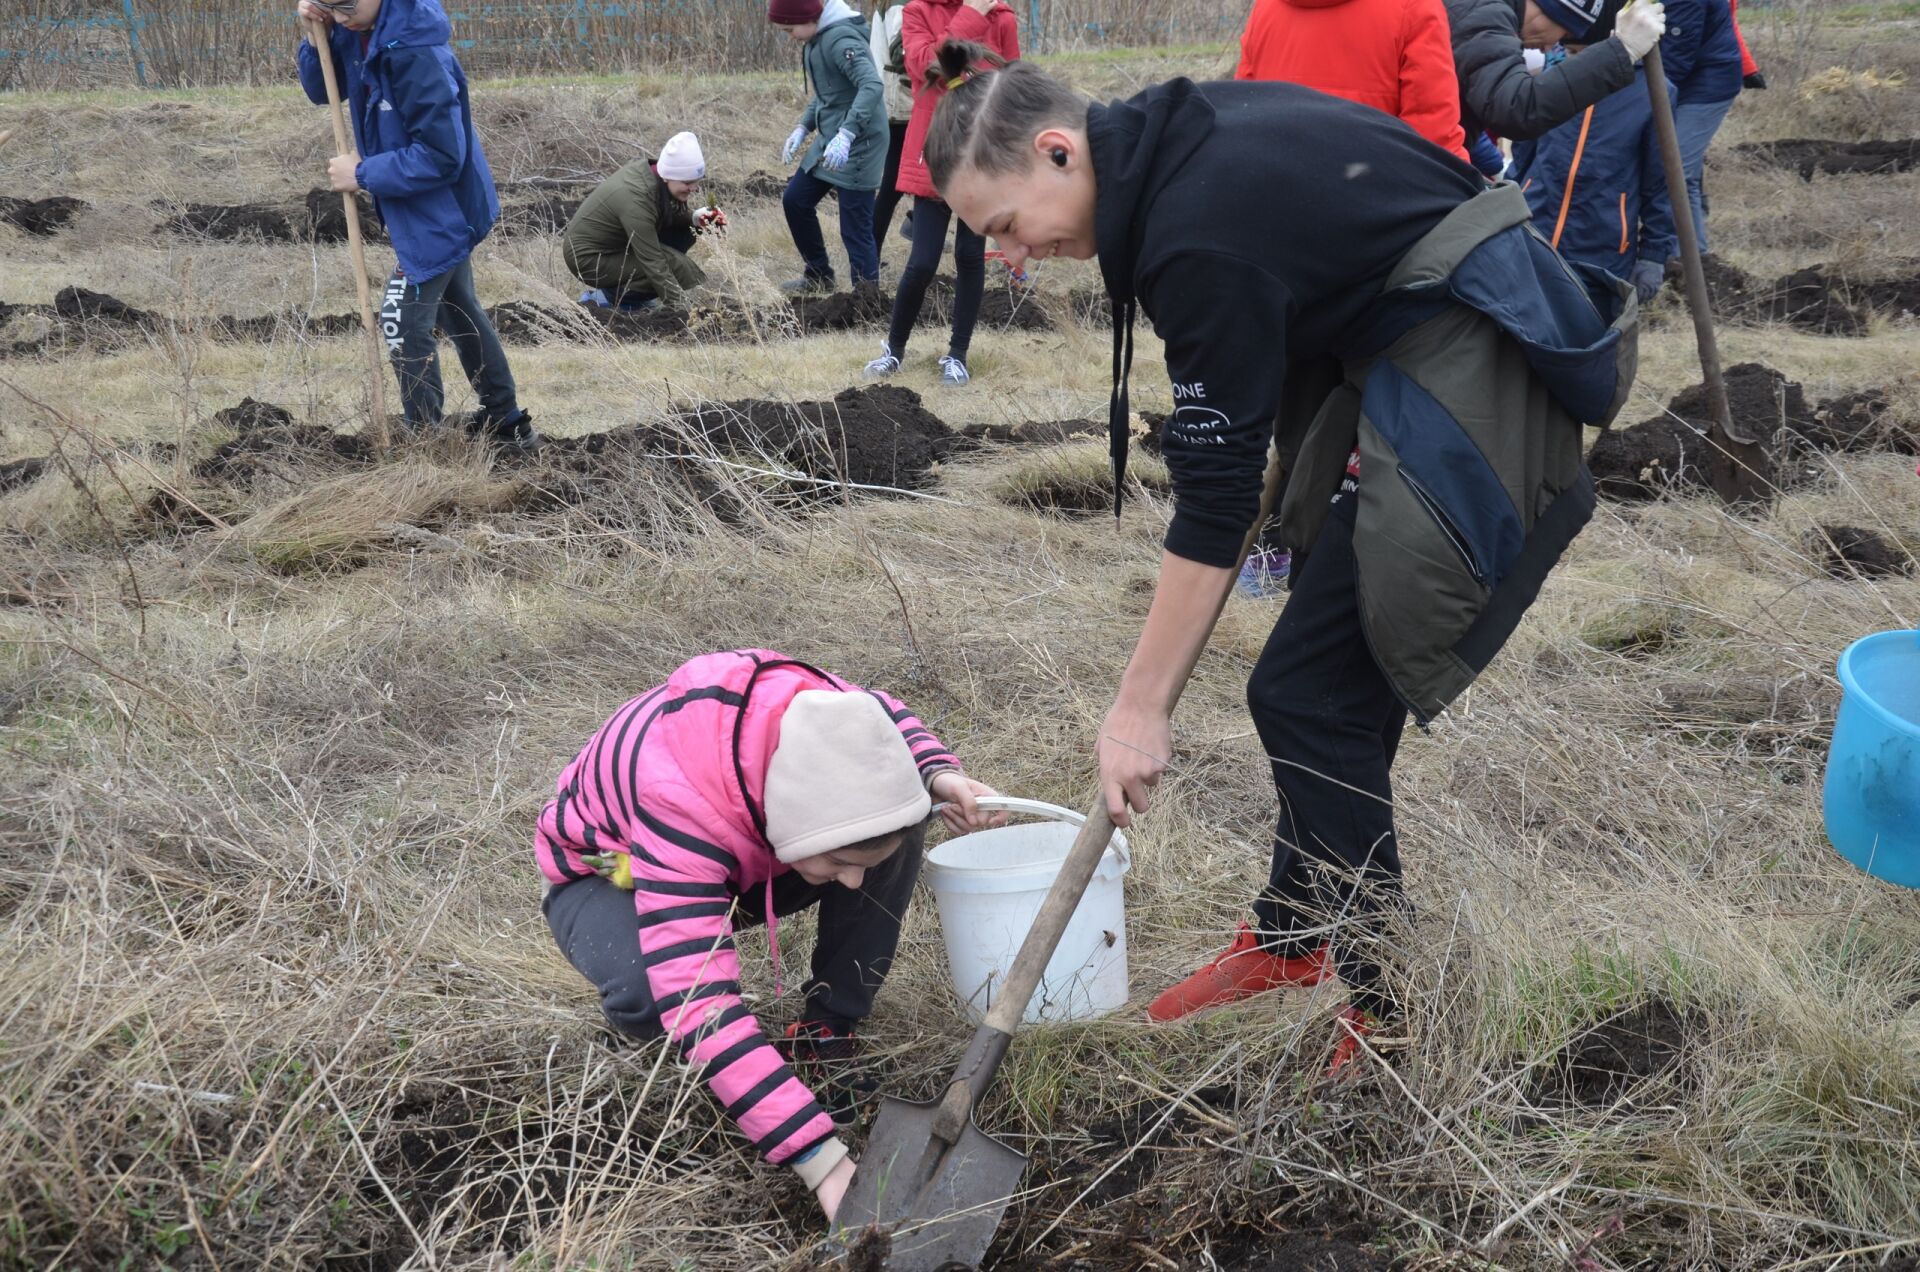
(884, 365)
(952, 371)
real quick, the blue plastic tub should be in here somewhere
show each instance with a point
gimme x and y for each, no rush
(1873, 769)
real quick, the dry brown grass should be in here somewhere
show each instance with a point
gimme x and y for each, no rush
(280, 994)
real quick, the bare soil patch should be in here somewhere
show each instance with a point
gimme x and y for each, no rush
(42, 217)
(1854, 552)
(1819, 298)
(1608, 1062)
(1807, 156)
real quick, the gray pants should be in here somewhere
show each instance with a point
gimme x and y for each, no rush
(409, 313)
(598, 929)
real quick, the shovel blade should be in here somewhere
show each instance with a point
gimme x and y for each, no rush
(943, 1204)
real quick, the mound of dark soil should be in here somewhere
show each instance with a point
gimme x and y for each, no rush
(40, 216)
(249, 415)
(19, 472)
(270, 326)
(77, 304)
(327, 218)
(1818, 298)
(862, 307)
(81, 314)
(1851, 552)
(1669, 452)
(265, 449)
(237, 221)
(881, 435)
(1807, 156)
(1608, 1061)
(1862, 421)
(1002, 308)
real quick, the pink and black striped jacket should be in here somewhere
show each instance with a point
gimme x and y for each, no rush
(675, 781)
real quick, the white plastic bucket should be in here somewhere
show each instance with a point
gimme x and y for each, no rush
(989, 886)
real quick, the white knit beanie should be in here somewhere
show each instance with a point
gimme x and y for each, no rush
(681, 160)
(840, 773)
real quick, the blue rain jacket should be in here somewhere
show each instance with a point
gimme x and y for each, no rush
(413, 124)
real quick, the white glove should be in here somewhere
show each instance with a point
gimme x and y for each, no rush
(792, 148)
(1640, 26)
(835, 156)
(1536, 60)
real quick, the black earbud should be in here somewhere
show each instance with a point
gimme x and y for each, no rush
(1059, 157)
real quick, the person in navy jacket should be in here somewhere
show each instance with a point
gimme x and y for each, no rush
(1701, 53)
(1598, 190)
(420, 159)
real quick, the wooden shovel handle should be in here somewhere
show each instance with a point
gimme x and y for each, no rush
(1739, 466)
(343, 145)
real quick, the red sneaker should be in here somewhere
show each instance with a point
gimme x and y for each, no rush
(1350, 1030)
(1243, 971)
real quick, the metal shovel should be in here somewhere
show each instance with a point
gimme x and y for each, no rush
(930, 1174)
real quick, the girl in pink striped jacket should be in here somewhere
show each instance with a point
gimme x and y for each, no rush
(746, 787)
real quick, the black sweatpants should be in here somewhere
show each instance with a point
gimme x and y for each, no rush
(930, 219)
(890, 196)
(598, 930)
(1331, 724)
(411, 312)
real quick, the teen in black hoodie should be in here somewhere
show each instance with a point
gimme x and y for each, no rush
(1323, 279)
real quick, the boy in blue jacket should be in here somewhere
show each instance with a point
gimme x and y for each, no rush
(420, 160)
(1598, 191)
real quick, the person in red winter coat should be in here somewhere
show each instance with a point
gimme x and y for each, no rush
(992, 25)
(1393, 55)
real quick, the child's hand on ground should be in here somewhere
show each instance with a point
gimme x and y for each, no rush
(958, 792)
(340, 173)
(834, 1187)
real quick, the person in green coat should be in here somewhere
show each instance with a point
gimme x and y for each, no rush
(847, 115)
(629, 241)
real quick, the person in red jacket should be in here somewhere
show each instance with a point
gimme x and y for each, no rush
(1393, 55)
(925, 24)
(1750, 76)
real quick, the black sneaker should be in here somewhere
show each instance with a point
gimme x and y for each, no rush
(515, 434)
(828, 1060)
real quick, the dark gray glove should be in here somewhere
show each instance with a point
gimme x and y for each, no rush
(1648, 277)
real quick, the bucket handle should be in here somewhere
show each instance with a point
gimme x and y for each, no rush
(1053, 812)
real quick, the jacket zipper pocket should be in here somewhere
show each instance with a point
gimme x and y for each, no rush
(1446, 524)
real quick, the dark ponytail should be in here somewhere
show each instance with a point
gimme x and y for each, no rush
(991, 111)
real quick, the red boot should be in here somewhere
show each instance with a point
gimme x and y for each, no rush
(1243, 971)
(1350, 1030)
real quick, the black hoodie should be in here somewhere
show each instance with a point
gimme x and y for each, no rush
(1252, 223)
